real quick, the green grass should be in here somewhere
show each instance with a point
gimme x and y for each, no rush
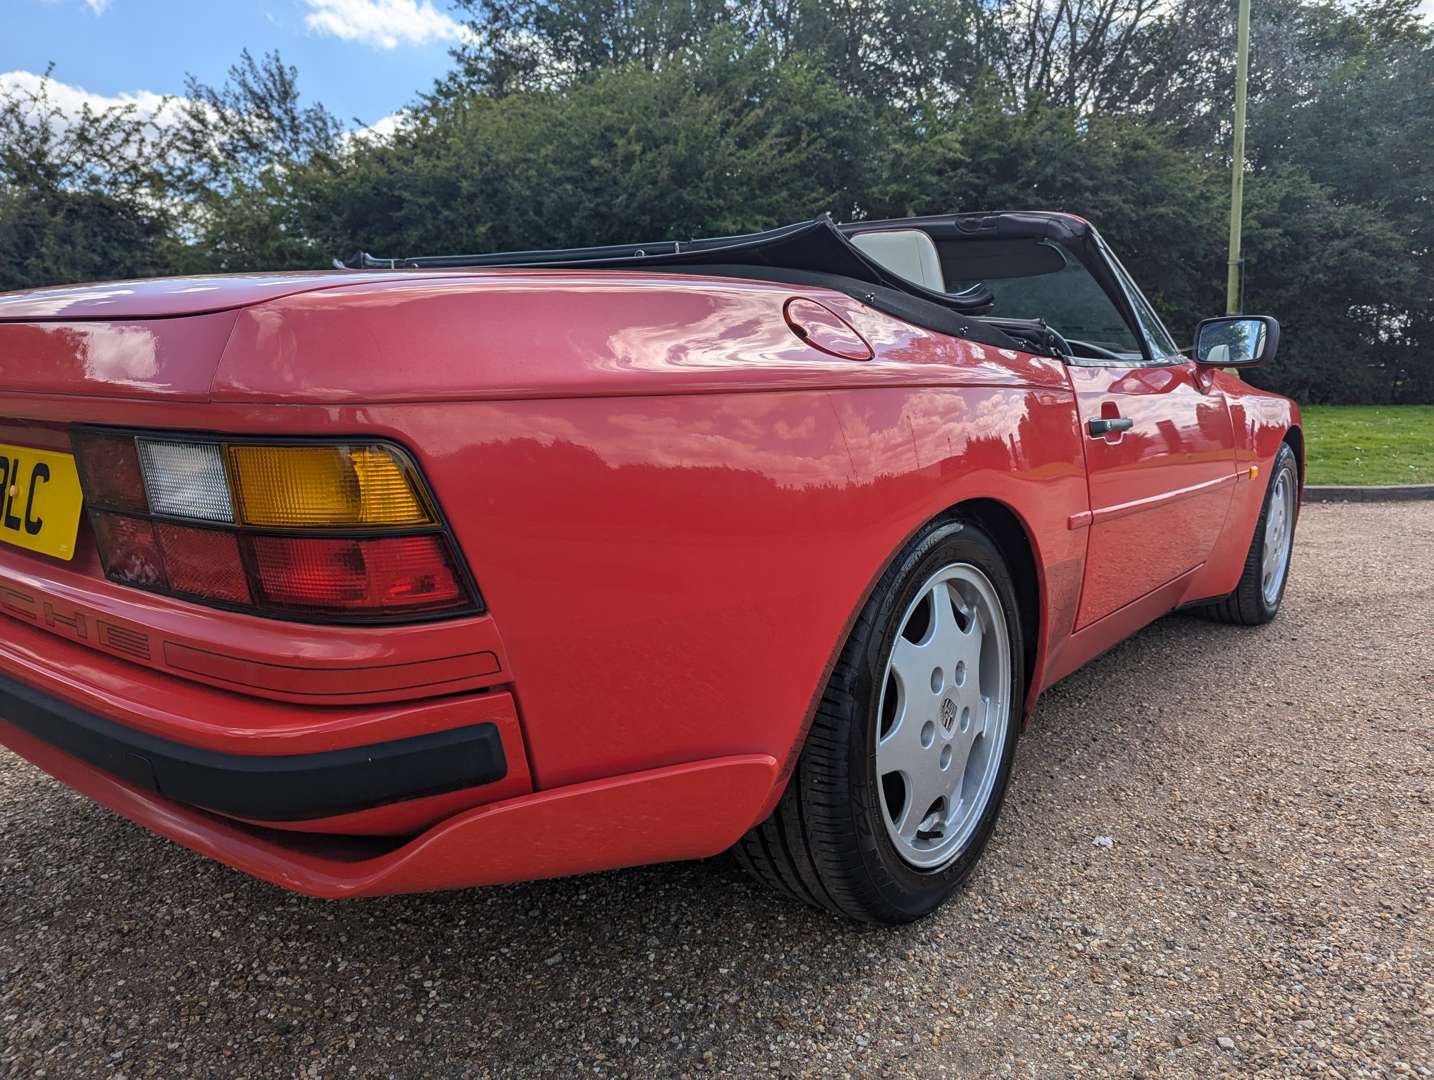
(1369, 444)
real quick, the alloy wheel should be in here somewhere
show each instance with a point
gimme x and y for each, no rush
(943, 712)
(1279, 535)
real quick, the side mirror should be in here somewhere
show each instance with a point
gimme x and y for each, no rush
(1236, 341)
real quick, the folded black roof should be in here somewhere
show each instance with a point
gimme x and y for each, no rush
(818, 246)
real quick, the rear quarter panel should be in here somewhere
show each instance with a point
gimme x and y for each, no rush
(673, 576)
(673, 505)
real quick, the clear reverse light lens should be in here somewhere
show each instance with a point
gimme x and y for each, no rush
(186, 480)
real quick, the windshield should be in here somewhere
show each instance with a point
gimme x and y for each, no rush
(1161, 345)
(1033, 279)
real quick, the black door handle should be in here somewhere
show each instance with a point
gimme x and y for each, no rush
(1108, 424)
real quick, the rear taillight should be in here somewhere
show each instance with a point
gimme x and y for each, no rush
(326, 531)
(302, 573)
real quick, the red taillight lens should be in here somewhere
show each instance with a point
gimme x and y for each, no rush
(204, 562)
(399, 574)
(129, 550)
(109, 471)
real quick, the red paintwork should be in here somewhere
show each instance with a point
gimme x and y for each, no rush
(599, 825)
(673, 504)
(125, 358)
(824, 329)
(162, 298)
(1159, 492)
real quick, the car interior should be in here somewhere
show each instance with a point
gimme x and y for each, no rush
(1031, 279)
(909, 253)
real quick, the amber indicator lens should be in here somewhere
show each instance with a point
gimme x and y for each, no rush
(324, 531)
(325, 487)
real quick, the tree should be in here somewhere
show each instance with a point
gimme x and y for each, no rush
(593, 121)
(243, 156)
(1340, 279)
(713, 143)
(905, 51)
(80, 194)
(1083, 54)
(1361, 124)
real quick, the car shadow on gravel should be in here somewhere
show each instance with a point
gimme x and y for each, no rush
(122, 952)
(631, 967)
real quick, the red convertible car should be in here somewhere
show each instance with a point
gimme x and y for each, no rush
(439, 572)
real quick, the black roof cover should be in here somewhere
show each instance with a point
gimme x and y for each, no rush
(817, 248)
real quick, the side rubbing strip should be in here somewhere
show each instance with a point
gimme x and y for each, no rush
(1165, 498)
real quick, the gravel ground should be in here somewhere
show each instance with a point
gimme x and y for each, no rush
(1263, 908)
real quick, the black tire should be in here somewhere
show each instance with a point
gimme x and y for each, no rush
(1246, 605)
(826, 843)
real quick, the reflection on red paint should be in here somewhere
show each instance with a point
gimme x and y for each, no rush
(674, 504)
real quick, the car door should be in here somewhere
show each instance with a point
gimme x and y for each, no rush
(1160, 462)
(1159, 487)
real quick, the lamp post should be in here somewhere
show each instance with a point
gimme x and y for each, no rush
(1237, 164)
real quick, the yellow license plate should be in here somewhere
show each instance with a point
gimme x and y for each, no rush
(39, 500)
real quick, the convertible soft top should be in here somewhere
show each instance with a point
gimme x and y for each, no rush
(818, 253)
(818, 246)
(815, 252)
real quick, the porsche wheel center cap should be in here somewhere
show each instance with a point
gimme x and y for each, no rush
(948, 715)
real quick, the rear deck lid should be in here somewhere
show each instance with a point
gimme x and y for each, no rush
(173, 359)
(165, 298)
(161, 337)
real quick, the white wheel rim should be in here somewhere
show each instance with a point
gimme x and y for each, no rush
(1279, 536)
(942, 716)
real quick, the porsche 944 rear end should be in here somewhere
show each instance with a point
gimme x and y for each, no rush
(379, 582)
(215, 621)
(495, 567)
(240, 603)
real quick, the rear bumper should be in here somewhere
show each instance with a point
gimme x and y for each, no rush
(276, 787)
(323, 768)
(678, 812)
(233, 778)
(374, 769)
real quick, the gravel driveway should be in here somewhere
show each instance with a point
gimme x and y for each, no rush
(1263, 909)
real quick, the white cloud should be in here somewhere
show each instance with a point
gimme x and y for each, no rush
(384, 24)
(379, 131)
(72, 99)
(387, 126)
(97, 6)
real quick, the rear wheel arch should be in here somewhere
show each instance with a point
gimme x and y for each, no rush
(825, 840)
(1014, 541)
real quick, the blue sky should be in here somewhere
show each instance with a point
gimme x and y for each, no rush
(364, 59)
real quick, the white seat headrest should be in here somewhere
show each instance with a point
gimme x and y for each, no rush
(908, 253)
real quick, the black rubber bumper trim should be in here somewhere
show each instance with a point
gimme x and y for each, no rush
(290, 787)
